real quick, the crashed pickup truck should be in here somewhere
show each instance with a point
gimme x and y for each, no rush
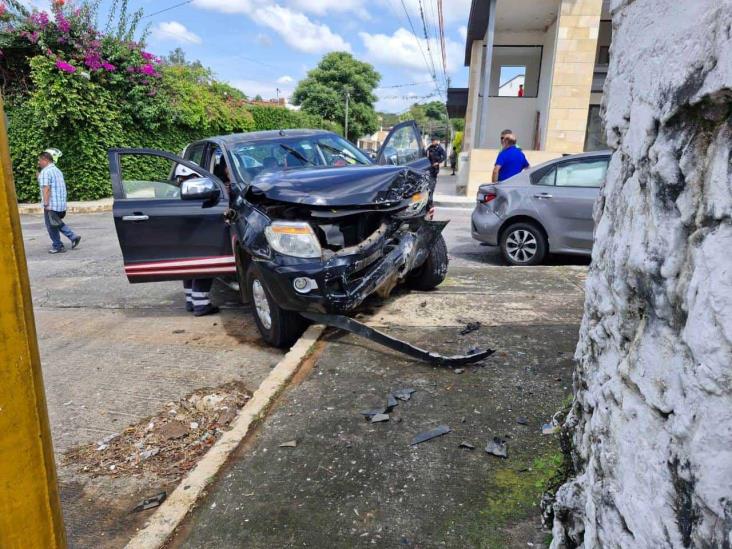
(303, 220)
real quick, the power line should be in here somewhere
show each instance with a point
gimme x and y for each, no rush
(405, 85)
(441, 22)
(427, 40)
(419, 45)
(168, 9)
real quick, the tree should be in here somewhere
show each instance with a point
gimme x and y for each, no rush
(651, 421)
(258, 98)
(323, 92)
(430, 117)
(178, 57)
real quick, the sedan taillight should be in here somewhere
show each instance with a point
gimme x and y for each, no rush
(489, 196)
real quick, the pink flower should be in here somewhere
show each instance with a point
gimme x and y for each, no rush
(64, 66)
(108, 66)
(62, 23)
(147, 56)
(39, 18)
(93, 61)
(3, 9)
(148, 70)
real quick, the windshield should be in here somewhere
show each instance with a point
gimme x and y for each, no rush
(273, 155)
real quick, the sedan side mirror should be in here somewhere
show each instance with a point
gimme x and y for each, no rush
(199, 189)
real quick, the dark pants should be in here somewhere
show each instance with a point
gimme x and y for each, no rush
(434, 172)
(55, 232)
(197, 290)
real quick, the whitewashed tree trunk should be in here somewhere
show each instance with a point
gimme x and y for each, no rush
(652, 420)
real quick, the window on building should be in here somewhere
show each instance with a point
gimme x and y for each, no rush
(603, 55)
(515, 68)
(595, 137)
(511, 81)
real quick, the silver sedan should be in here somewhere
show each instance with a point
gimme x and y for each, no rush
(546, 209)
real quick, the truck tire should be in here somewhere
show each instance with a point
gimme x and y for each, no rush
(434, 270)
(278, 327)
(523, 244)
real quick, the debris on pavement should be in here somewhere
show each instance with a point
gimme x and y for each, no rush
(355, 327)
(368, 414)
(553, 426)
(522, 420)
(470, 327)
(459, 370)
(168, 444)
(497, 447)
(150, 503)
(378, 418)
(391, 402)
(403, 394)
(179, 331)
(429, 435)
(289, 444)
(466, 444)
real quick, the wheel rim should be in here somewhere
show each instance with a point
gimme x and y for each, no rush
(261, 304)
(521, 246)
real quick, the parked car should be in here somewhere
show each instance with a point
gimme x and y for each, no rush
(301, 218)
(546, 209)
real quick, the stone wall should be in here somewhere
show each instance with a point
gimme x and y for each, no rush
(652, 420)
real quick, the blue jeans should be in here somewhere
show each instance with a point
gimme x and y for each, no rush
(55, 232)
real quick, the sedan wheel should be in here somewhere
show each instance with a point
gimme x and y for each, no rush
(523, 244)
(261, 304)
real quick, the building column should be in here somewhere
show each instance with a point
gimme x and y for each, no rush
(481, 141)
(574, 63)
(471, 113)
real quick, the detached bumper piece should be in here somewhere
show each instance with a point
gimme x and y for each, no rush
(348, 324)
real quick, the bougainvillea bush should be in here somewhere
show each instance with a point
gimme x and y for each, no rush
(70, 85)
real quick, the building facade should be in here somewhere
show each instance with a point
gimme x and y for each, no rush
(561, 48)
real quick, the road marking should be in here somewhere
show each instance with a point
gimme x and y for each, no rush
(172, 512)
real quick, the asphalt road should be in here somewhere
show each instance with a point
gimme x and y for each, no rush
(114, 353)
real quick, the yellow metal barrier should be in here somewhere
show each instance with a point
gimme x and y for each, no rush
(30, 512)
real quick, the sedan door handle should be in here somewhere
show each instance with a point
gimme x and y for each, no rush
(543, 195)
(135, 218)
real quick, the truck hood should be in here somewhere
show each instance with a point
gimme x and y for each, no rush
(347, 186)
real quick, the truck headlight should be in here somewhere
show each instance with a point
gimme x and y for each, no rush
(295, 239)
(417, 203)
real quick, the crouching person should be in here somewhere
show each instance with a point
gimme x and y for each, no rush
(198, 300)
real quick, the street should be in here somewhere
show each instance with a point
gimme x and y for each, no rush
(115, 354)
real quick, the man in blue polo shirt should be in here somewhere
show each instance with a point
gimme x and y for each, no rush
(510, 161)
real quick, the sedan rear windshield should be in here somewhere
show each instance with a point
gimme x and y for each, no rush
(255, 157)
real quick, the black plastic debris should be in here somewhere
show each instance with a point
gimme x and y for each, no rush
(150, 503)
(466, 444)
(368, 414)
(497, 447)
(429, 435)
(522, 420)
(350, 325)
(378, 418)
(470, 327)
(403, 394)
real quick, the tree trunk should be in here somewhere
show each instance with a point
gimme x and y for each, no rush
(651, 424)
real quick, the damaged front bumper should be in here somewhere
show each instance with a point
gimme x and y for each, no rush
(346, 278)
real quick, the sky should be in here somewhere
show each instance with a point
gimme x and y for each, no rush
(262, 45)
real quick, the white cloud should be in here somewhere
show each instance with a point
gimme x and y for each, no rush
(298, 31)
(286, 79)
(454, 11)
(264, 40)
(328, 7)
(176, 32)
(402, 49)
(225, 6)
(463, 32)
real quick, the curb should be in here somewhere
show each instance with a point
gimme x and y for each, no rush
(453, 202)
(74, 208)
(171, 513)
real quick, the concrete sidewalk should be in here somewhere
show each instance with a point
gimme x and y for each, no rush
(351, 483)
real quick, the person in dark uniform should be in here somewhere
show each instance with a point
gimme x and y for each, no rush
(197, 290)
(436, 156)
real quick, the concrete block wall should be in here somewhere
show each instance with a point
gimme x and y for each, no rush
(574, 63)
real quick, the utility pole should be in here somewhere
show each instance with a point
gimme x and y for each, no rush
(30, 516)
(348, 96)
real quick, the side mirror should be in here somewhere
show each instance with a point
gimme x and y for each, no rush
(199, 189)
